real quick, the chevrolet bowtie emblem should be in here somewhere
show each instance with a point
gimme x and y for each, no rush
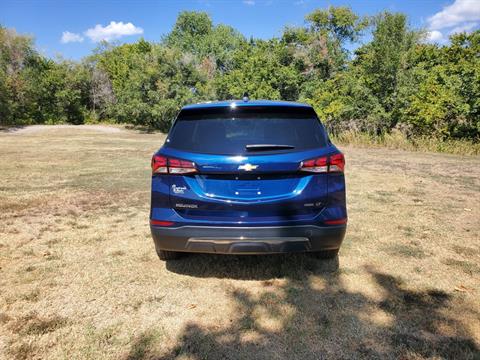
(247, 167)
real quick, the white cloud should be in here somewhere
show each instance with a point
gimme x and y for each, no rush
(68, 37)
(435, 36)
(249, 2)
(459, 12)
(114, 30)
(464, 28)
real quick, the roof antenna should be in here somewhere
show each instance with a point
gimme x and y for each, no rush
(245, 96)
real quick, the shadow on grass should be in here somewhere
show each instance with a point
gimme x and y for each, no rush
(250, 267)
(325, 319)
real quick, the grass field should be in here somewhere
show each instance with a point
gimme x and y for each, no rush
(79, 277)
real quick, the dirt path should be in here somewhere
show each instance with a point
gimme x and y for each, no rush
(32, 129)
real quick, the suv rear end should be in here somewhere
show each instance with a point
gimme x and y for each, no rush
(247, 177)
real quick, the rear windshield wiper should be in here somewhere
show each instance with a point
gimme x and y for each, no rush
(264, 147)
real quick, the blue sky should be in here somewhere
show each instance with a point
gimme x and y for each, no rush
(80, 24)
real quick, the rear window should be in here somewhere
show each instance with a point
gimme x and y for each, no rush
(230, 130)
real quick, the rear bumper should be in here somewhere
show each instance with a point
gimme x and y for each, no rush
(248, 240)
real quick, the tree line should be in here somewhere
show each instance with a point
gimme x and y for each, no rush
(394, 82)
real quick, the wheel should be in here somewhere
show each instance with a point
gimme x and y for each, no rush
(168, 255)
(326, 254)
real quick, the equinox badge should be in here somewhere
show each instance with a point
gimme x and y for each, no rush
(247, 167)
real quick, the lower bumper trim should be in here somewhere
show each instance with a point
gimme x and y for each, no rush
(248, 240)
(248, 245)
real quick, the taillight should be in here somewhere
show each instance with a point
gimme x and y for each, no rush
(159, 165)
(164, 165)
(324, 164)
(337, 163)
(176, 166)
(318, 165)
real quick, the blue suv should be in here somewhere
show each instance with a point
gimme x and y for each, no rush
(248, 177)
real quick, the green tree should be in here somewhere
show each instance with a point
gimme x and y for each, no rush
(150, 84)
(319, 49)
(259, 71)
(381, 62)
(16, 52)
(441, 95)
(346, 103)
(195, 33)
(394, 81)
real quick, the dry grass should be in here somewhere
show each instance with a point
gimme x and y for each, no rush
(79, 277)
(397, 140)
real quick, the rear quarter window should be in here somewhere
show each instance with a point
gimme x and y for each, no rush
(228, 131)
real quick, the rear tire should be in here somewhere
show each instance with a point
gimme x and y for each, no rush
(168, 255)
(326, 254)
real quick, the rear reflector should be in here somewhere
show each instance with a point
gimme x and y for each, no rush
(336, 221)
(161, 223)
(325, 164)
(164, 165)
